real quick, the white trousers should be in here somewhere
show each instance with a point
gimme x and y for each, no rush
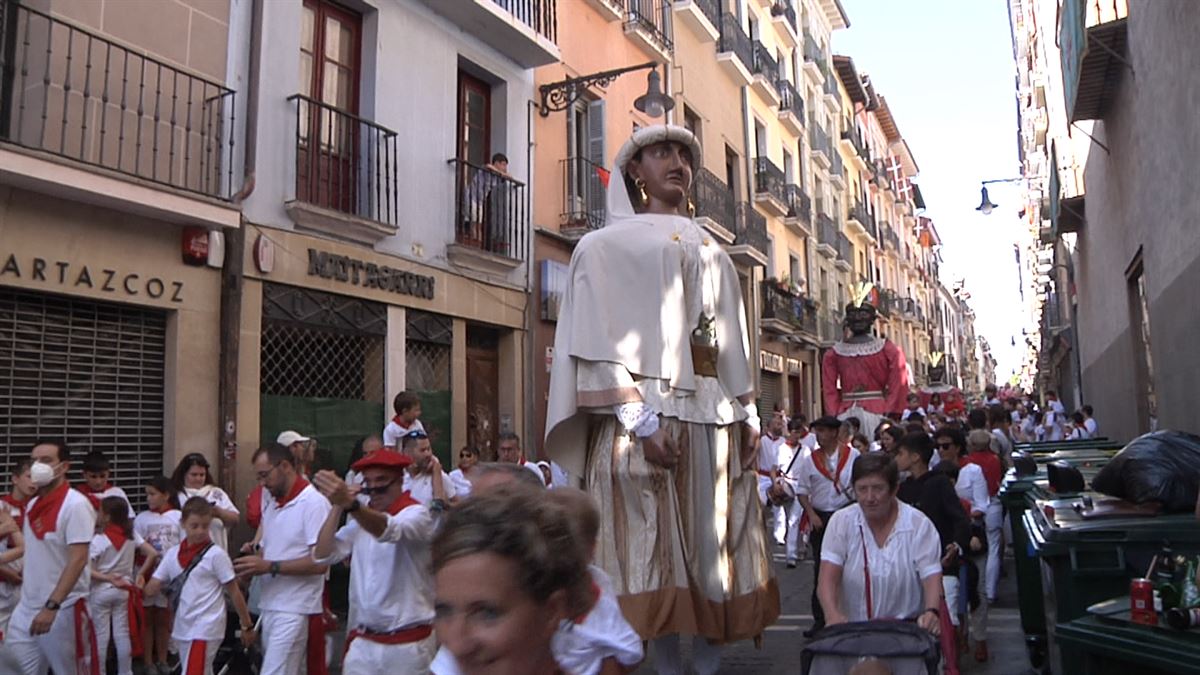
(202, 666)
(32, 655)
(109, 607)
(950, 589)
(7, 605)
(371, 658)
(994, 521)
(285, 643)
(979, 618)
(706, 657)
(795, 543)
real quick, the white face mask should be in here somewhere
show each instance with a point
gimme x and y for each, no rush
(42, 474)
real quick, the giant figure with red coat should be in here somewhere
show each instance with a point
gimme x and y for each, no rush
(864, 376)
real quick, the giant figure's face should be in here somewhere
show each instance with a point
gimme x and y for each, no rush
(860, 319)
(666, 170)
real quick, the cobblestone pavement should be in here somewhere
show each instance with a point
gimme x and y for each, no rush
(784, 641)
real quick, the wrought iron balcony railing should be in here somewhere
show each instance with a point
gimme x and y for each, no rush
(827, 233)
(711, 9)
(768, 178)
(845, 250)
(819, 140)
(831, 82)
(583, 206)
(713, 199)
(492, 212)
(345, 163)
(858, 212)
(785, 9)
(799, 204)
(734, 39)
(751, 229)
(812, 50)
(790, 99)
(540, 15)
(74, 94)
(833, 324)
(795, 310)
(856, 140)
(765, 64)
(837, 169)
(652, 16)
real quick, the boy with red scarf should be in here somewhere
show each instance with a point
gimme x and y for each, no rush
(12, 545)
(51, 626)
(200, 618)
(292, 614)
(96, 484)
(408, 409)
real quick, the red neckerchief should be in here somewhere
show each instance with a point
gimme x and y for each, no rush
(187, 551)
(299, 485)
(402, 502)
(17, 504)
(842, 457)
(595, 600)
(165, 508)
(87, 489)
(43, 516)
(116, 534)
(402, 425)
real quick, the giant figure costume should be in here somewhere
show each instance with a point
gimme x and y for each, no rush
(863, 375)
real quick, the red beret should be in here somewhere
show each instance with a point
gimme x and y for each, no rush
(384, 459)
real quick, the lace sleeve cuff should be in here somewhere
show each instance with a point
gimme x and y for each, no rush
(637, 417)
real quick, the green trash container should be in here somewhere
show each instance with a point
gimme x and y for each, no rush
(1107, 642)
(1084, 562)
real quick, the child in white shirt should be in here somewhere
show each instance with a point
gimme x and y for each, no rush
(408, 412)
(113, 581)
(160, 528)
(200, 617)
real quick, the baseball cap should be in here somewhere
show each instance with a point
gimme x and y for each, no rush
(828, 422)
(288, 437)
(386, 459)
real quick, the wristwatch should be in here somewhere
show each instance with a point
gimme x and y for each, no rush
(353, 506)
(275, 568)
(52, 605)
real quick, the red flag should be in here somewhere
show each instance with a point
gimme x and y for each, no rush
(604, 175)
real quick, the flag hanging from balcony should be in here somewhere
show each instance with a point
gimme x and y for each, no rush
(604, 175)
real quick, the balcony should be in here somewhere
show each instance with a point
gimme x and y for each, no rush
(715, 207)
(833, 98)
(768, 187)
(814, 59)
(648, 23)
(845, 252)
(883, 176)
(345, 174)
(491, 223)
(853, 142)
(87, 119)
(833, 325)
(766, 74)
(611, 10)
(750, 242)
(799, 214)
(791, 107)
(827, 235)
(887, 303)
(702, 17)
(786, 312)
(857, 218)
(818, 141)
(735, 51)
(872, 227)
(1093, 36)
(837, 170)
(583, 205)
(783, 15)
(523, 30)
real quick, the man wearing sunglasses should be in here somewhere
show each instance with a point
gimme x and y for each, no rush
(424, 478)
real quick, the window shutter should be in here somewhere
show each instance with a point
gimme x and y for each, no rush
(595, 155)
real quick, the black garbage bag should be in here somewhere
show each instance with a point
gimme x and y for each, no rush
(1163, 466)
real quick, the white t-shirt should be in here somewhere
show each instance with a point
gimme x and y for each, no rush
(393, 432)
(106, 559)
(110, 491)
(290, 532)
(45, 559)
(462, 484)
(201, 614)
(390, 583)
(421, 486)
(160, 530)
(768, 453)
(8, 592)
(820, 490)
(911, 554)
(907, 412)
(581, 648)
(972, 486)
(1091, 426)
(217, 497)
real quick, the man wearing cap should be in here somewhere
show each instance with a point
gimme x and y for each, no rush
(823, 486)
(299, 447)
(387, 541)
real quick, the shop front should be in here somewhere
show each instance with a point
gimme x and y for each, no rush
(108, 339)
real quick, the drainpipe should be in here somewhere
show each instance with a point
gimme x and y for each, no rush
(232, 273)
(755, 300)
(528, 390)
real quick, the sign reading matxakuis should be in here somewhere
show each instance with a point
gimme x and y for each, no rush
(368, 275)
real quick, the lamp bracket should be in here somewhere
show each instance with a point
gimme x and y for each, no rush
(557, 96)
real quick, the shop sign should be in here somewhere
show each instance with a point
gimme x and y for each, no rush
(793, 366)
(70, 275)
(771, 362)
(368, 275)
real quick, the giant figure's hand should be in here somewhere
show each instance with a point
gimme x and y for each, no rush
(750, 447)
(660, 450)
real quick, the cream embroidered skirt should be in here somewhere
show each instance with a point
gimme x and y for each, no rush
(686, 548)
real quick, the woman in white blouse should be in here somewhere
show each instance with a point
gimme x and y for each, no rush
(881, 558)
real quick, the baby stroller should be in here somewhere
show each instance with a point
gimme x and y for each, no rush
(904, 647)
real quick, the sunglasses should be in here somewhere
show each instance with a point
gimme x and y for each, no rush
(465, 455)
(417, 433)
(945, 446)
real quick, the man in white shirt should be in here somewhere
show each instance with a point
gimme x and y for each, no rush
(822, 487)
(509, 451)
(424, 478)
(914, 408)
(51, 626)
(768, 470)
(1089, 422)
(391, 588)
(794, 452)
(407, 407)
(292, 584)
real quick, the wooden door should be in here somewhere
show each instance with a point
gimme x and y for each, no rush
(483, 390)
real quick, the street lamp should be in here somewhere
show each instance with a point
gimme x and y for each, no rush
(986, 205)
(560, 95)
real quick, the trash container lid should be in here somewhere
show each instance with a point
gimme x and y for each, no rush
(1061, 523)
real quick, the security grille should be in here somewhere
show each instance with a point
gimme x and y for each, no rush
(769, 393)
(428, 366)
(87, 372)
(311, 363)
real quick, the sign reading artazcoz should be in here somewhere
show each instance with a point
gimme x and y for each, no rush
(81, 276)
(368, 275)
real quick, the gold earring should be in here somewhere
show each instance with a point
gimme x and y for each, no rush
(691, 208)
(641, 186)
